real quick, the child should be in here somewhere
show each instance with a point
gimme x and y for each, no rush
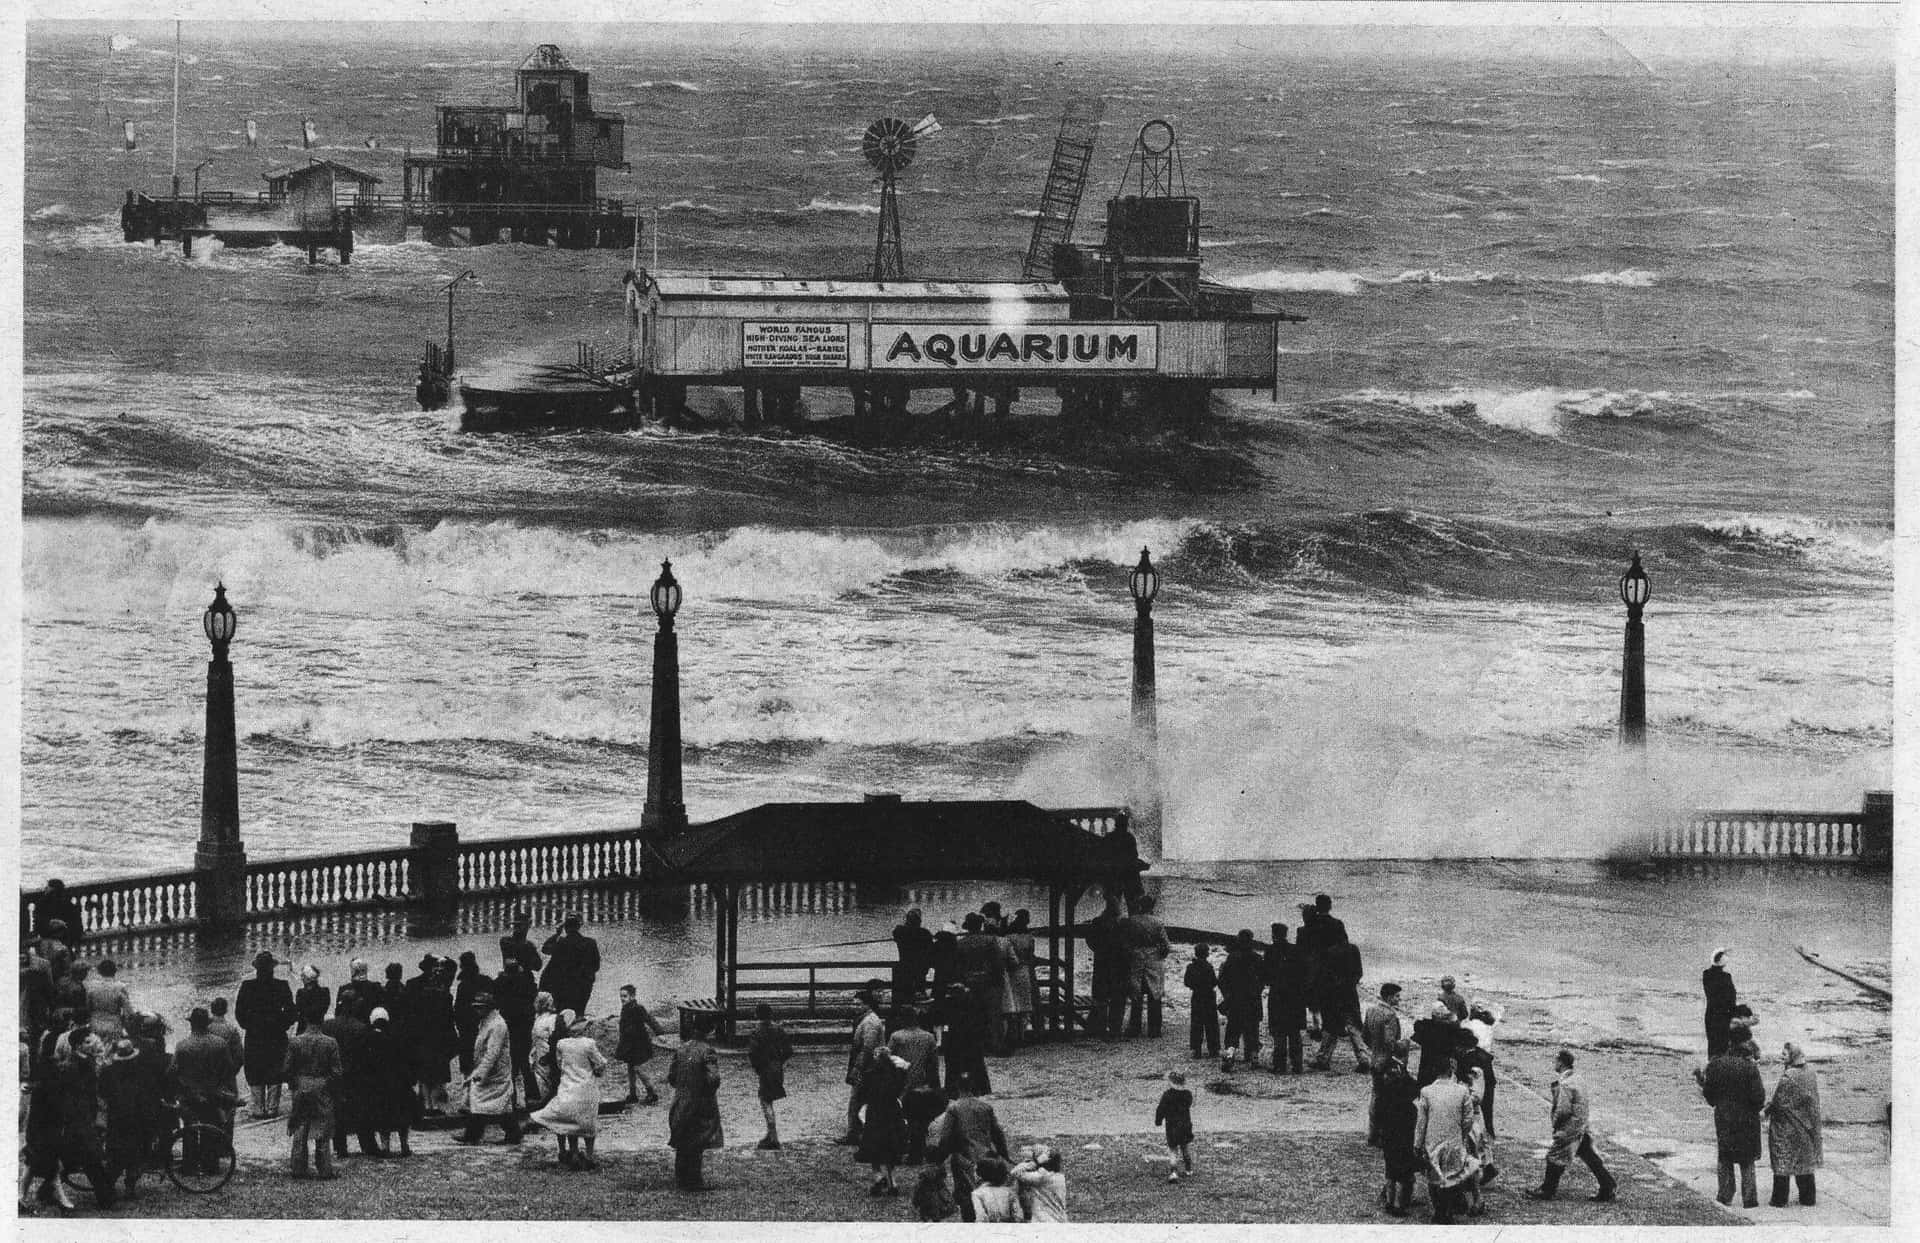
(1204, 1020)
(768, 1049)
(1176, 1110)
(932, 1198)
(994, 1200)
(637, 1029)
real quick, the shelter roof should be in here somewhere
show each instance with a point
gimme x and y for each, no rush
(313, 166)
(895, 841)
(749, 285)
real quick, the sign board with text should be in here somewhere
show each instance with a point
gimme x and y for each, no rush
(1034, 347)
(789, 345)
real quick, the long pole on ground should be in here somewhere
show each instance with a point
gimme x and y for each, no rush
(666, 809)
(176, 110)
(220, 858)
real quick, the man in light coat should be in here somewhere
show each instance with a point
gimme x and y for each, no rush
(1570, 1138)
(493, 1090)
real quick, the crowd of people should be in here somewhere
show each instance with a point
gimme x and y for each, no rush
(366, 1061)
(360, 1064)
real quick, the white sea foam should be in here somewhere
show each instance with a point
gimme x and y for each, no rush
(52, 211)
(1276, 281)
(834, 205)
(1631, 278)
(687, 87)
(1012, 119)
(1594, 178)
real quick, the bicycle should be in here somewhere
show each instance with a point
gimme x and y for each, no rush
(197, 1158)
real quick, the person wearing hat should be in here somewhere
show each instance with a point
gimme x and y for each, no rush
(1722, 997)
(313, 1071)
(203, 1067)
(869, 1033)
(1731, 1083)
(915, 945)
(130, 1095)
(493, 1089)
(573, 963)
(430, 1037)
(693, 1120)
(517, 946)
(264, 1010)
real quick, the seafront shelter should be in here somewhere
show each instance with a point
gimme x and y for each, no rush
(887, 841)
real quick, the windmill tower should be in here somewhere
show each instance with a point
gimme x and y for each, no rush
(889, 145)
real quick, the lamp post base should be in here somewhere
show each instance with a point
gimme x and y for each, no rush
(221, 887)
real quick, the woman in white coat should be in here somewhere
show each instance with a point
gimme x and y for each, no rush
(573, 1115)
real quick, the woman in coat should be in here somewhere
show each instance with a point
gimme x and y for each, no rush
(391, 1103)
(1444, 1130)
(312, 996)
(693, 1120)
(1019, 977)
(1731, 1084)
(264, 1010)
(883, 1135)
(1722, 997)
(1793, 1128)
(573, 1114)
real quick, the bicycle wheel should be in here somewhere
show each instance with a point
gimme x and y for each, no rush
(211, 1153)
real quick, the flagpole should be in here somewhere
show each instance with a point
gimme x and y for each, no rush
(176, 110)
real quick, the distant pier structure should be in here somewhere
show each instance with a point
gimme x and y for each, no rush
(522, 172)
(526, 171)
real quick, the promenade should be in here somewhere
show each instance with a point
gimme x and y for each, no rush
(1269, 1149)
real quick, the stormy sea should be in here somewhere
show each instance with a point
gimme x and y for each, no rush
(1567, 298)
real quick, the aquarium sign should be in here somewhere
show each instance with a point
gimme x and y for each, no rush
(1023, 347)
(787, 344)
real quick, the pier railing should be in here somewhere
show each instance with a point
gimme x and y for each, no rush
(438, 867)
(1816, 836)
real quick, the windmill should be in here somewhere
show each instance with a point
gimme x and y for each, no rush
(889, 145)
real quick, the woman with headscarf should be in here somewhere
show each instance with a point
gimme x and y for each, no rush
(264, 1010)
(1793, 1128)
(311, 994)
(1731, 1084)
(546, 1064)
(390, 1100)
(573, 1115)
(1722, 997)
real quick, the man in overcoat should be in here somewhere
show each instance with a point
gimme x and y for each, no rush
(693, 1120)
(573, 963)
(493, 1090)
(1731, 1084)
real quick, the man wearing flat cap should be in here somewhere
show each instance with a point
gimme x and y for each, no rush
(573, 963)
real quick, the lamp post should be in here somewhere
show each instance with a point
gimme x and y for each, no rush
(666, 810)
(220, 858)
(1635, 590)
(1144, 584)
(450, 287)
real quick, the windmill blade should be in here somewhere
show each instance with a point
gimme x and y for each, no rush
(924, 126)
